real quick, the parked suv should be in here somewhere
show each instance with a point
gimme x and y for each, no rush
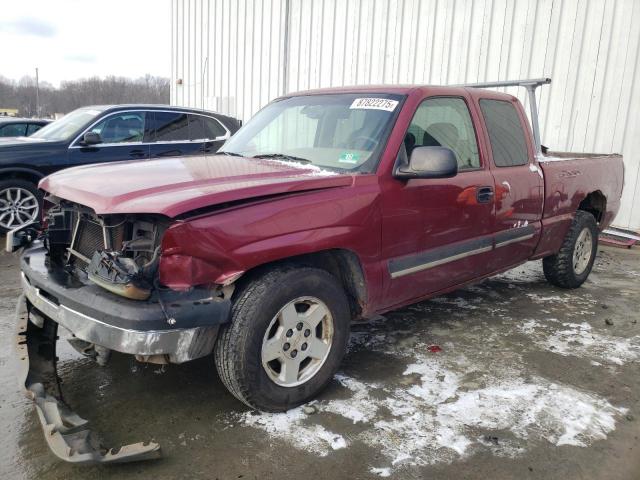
(100, 134)
(20, 127)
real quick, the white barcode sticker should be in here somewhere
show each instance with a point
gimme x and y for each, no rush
(374, 104)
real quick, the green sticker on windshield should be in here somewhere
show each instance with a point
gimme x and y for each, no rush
(349, 157)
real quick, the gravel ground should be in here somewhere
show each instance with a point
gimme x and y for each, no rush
(510, 378)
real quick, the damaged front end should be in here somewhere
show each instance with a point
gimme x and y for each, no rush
(97, 276)
(67, 434)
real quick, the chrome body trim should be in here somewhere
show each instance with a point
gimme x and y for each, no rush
(514, 240)
(442, 261)
(437, 256)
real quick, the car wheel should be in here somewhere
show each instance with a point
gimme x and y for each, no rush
(287, 336)
(20, 203)
(571, 266)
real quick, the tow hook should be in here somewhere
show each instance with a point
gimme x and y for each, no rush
(67, 434)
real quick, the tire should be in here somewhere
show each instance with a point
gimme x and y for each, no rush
(22, 190)
(567, 268)
(239, 354)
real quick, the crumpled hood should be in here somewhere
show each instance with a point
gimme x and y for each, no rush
(173, 186)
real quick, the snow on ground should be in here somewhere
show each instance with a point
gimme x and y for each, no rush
(436, 419)
(475, 395)
(581, 340)
(291, 426)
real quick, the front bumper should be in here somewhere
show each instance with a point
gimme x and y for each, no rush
(180, 325)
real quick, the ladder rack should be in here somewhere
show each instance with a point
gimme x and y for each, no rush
(530, 85)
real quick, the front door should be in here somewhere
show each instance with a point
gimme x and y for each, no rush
(122, 136)
(438, 232)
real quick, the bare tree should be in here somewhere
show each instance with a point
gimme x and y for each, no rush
(79, 93)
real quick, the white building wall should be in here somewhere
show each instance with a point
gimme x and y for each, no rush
(235, 55)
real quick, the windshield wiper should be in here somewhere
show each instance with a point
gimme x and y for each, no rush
(282, 155)
(231, 154)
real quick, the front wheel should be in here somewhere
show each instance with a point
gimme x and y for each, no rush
(570, 267)
(287, 336)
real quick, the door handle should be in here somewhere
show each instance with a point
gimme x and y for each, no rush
(484, 194)
(137, 153)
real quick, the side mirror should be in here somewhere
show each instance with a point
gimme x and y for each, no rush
(428, 162)
(91, 138)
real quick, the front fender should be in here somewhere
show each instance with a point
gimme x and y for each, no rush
(220, 246)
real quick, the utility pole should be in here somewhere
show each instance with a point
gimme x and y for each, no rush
(37, 95)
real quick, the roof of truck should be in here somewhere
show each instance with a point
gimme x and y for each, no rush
(395, 89)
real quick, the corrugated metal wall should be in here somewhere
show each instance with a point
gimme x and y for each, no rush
(236, 55)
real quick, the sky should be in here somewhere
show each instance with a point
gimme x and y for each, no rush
(71, 39)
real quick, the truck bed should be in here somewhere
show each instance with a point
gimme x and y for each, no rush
(569, 179)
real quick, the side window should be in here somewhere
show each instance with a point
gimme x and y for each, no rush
(171, 127)
(13, 130)
(212, 128)
(506, 134)
(33, 128)
(445, 122)
(121, 128)
(196, 128)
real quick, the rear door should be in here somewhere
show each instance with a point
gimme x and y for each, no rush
(122, 135)
(438, 232)
(175, 134)
(518, 182)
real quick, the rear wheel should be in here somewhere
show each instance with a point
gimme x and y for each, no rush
(286, 339)
(571, 266)
(19, 204)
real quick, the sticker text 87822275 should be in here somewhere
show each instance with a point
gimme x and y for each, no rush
(374, 104)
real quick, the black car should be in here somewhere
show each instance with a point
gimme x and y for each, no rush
(20, 127)
(100, 134)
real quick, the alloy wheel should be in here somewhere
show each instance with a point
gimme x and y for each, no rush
(18, 207)
(297, 341)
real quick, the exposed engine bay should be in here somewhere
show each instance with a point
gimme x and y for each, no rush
(118, 252)
(97, 277)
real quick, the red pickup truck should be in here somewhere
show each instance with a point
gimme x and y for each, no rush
(329, 205)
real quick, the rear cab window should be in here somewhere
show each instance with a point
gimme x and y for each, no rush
(506, 133)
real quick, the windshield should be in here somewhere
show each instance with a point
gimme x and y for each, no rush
(67, 126)
(336, 131)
